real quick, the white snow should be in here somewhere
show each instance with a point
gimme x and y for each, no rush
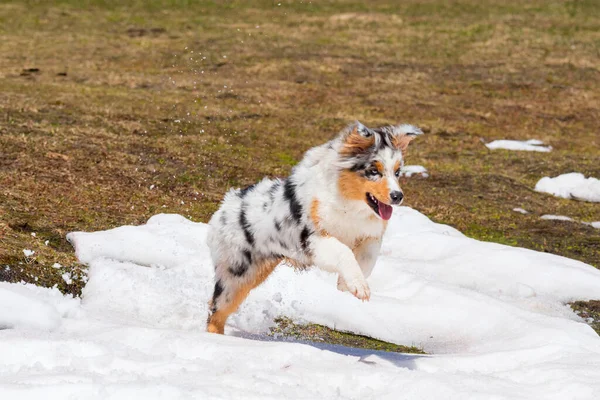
(493, 316)
(571, 186)
(32, 307)
(521, 210)
(67, 278)
(557, 217)
(565, 218)
(410, 170)
(525, 145)
(28, 253)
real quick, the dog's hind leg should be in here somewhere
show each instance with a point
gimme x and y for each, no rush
(232, 288)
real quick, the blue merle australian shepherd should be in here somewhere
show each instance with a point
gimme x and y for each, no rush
(331, 212)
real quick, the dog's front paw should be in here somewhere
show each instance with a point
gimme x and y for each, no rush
(341, 285)
(359, 288)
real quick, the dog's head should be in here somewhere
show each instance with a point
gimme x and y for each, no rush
(370, 162)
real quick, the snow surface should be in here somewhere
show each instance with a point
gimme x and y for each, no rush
(557, 217)
(526, 145)
(493, 315)
(571, 186)
(410, 170)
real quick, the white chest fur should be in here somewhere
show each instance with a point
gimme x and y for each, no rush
(349, 223)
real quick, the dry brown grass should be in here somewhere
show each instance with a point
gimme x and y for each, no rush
(196, 97)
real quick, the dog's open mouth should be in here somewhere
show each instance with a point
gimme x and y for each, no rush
(380, 208)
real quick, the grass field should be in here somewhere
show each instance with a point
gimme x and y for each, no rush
(111, 113)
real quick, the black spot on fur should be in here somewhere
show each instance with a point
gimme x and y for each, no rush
(304, 235)
(277, 225)
(223, 219)
(273, 189)
(218, 291)
(239, 269)
(289, 192)
(265, 206)
(385, 137)
(247, 190)
(282, 244)
(358, 167)
(248, 256)
(246, 227)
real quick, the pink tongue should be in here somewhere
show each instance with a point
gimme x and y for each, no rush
(385, 211)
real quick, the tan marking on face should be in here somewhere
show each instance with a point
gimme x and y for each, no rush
(380, 167)
(355, 187)
(216, 322)
(355, 143)
(396, 166)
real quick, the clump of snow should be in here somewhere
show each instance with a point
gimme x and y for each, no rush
(595, 224)
(557, 217)
(410, 170)
(571, 186)
(565, 218)
(28, 253)
(67, 278)
(526, 145)
(521, 210)
(493, 316)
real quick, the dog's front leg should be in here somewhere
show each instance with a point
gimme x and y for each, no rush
(366, 255)
(331, 255)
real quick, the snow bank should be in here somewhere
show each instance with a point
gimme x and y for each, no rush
(571, 186)
(526, 145)
(494, 316)
(32, 307)
(410, 170)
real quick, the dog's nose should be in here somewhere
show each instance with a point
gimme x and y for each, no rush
(396, 197)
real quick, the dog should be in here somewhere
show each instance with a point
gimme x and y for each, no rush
(331, 212)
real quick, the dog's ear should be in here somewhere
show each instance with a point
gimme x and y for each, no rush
(403, 134)
(356, 139)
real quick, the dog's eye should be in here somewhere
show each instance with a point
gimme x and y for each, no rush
(372, 172)
(397, 173)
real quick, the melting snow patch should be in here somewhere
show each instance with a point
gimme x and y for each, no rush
(67, 278)
(526, 145)
(595, 224)
(493, 316)
(521, 210)
(557, 217)
(28, 253)
(571, 186)
(410, 170)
